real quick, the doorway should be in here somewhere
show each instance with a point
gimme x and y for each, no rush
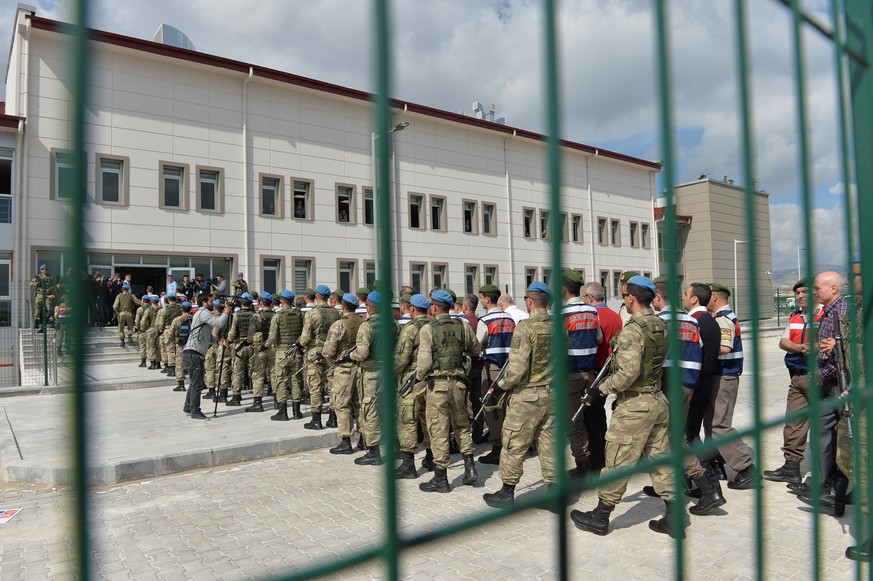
(143, 277)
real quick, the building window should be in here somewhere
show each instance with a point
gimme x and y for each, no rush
(271, 269)
(527, 222)
(491, 275)
(489, 214)
(645, 239)
(209, 190)
(416, 211)
(544, 225)
(112, 181)
(272, 203)
(649, 275)
(601, 231)
(174, 186)
(471, 217)
(346, 275)
(471, 279)
(439, 276)
(563, 227)
(530, 276)
(634, 235)
(417, 277)
(369, 208)
(345, 207)
(302, 199)
(437, 213)
(302, 274)
(604, 282)
(615, 232)
(369, 274)
(5, 297)
(62, 175)
(5, 187)
(547, 276)
(576, 228)
(616, 284)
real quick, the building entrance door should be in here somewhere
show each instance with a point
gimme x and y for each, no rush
(143, 277)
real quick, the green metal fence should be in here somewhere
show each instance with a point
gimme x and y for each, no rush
(852, 38)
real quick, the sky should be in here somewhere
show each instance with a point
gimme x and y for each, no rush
(449, 53)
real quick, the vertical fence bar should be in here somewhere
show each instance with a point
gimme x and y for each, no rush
(385, 338)
(559, 337)
(674, 388)
(77, 261)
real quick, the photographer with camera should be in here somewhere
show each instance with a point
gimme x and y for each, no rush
(194, 354)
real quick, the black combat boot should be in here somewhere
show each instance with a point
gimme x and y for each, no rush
(154, 365)
(492, 457)
(745, 479)
(470, 474)
(427, 461)
(331, 419)
(504, 496)
(406, 470)
(344, 447)
(860, 552)
(222, 395)
(143, 363)
(210, 393)
(581, 471)
(832, 502)
(166, 369)
(665, 524)
(122, 342)
(235, 401)
(360, 444)
(256, 406)
(788, 472)
(372, 458)
(439, 483)
(282, 415)
(180, 386)
(595, 521)
(268, 388)
(710, 498)
(296, 413)
(315, 423)
(172, 371)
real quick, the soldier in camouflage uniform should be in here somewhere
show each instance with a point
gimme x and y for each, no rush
(43, 280)
(123, 307)
(168, 343)
(341, 337)
(150, 322)
(285, 329)
(144, 306)
(445, 348)
(263, 360)
(222, 356)
(639, 427)
(365, 356)
(174, 328)
(241, 351)
(411, 407)
(315, 326)
(528, 383)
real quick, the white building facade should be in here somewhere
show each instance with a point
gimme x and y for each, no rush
(200, 164)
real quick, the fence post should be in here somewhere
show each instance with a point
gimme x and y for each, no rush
(44, 321)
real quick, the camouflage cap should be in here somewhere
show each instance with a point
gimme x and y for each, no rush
(719, 288)
(660, 279)
(255, 295)
(310, 292)
(452, 293)
(489, 288)
(799, 284)
(339, 293)
(572, 275)
(362, 291)
(626, 276)
(406, 298)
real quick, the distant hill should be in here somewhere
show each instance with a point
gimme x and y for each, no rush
(784, 279)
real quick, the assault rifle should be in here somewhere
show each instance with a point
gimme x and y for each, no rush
(290, 352)
(318, 357)
(345, 357)
(406, 387)
(490, 391)
(842, 375)
(589, 395)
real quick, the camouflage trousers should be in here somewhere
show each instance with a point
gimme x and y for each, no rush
(446, 412)
(845, 460)
(315, 380)
(180, 370)
(411, 410)
(125, 319)
(153, 352)
(639, 429)
(368, 385)
(141, 342)
(241, 368)
(528, 419)
(283, 368)
(344, 396)
(262, 365)
(209, 366)
(49, 308)
(218, 361)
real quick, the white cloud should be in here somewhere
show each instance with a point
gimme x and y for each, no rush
(787, 233)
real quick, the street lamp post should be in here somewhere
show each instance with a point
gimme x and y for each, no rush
(799, 248)
(373, 137)
(736, 283)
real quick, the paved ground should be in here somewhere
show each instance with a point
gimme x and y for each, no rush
(283, 514)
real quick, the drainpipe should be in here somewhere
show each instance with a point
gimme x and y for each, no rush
(246, 185)
(23, 206)
(509, 221)
(16, 226)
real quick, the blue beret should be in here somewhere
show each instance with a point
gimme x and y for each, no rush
(239, 274)
(286, 294)
(420, 302)
(374, 297)
(350, 298)
(323, 290)
(170, 296)
(146, 298)
(186, 305)
(247, 296)
(266, 296)
(41, 266)
(442, 296)
(126, 285)
(539, 287)
(156, 299)
(642, 281)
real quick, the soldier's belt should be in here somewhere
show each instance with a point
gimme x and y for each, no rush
(635, 393)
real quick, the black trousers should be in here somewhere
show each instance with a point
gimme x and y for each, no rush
(193, 363)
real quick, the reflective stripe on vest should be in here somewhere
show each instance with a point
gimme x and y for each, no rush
(499, 338)
(690, 351)
(798, 332)
(731, 363)
(582, 324)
